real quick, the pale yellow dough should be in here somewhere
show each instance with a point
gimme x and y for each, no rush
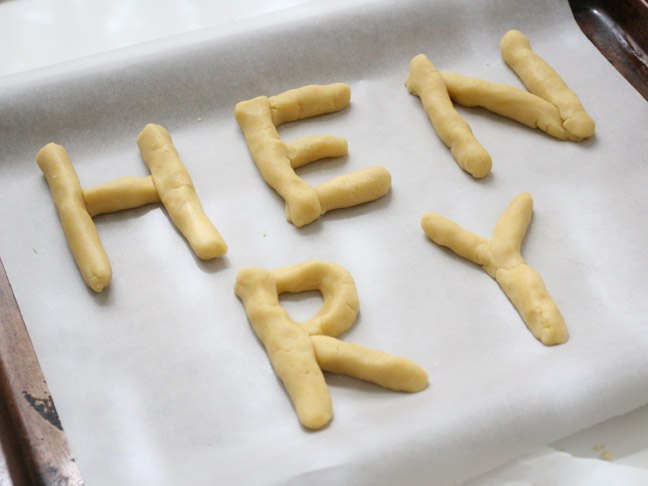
(508, 101)
(501, 259)
(288, 346)
(425, 81)
(386, 370)
(177, 192)
(79, 229)
(542, 80)
(352, 189)
(308, 101)
(168, 183)
(299, 351)
(276, 160)
(340, 308)
(120, 194)
(305, 150)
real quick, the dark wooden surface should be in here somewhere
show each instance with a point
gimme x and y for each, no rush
(619, 29)
(33, 446)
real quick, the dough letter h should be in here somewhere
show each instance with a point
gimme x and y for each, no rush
(169, 183)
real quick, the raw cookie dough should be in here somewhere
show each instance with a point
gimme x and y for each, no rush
(276, 160)
(308, 101)
(177, 192)
(288, 346)
(305, 150)
(425, 81)
(341, 305)
(352, 189)
(386, 370)
(501, 259)
(168, 183)
(123, 193)
(542, 80)
(299, 351)
(79, 229)
(508, 101)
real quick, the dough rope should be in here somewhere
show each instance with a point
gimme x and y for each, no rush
(79, 229)
(299, 351)
(340, 307)
(501, 259)
(305, 150)
(120, 194)
(508, 101)
(425, 81)
(276, 160)
(177, 192)
(386, 370)
(308, 101)
(542, 80)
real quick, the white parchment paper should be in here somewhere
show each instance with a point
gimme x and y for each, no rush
(160, 379)
(548, 466)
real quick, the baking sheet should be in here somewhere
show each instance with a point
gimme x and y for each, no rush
(160, 379)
